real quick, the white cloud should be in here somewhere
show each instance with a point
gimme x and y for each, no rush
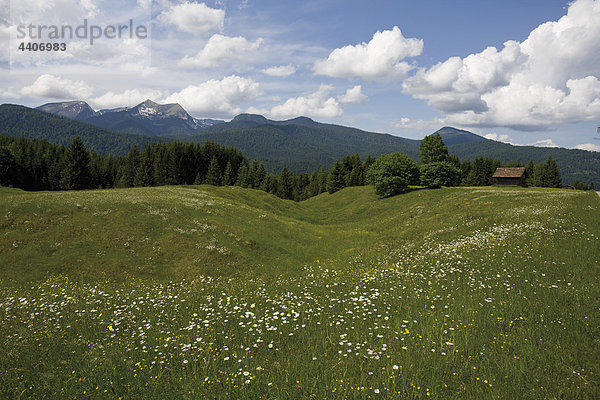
(57, 88)
(217, 98)
(128, 98)
(588, 147)
(378, 60)
(317, 104)
(499, 137)
(507, 139)
(193, 17)
(353, 95)
(550, 78)
(544, 143)
(420, 124)
(220, 49)
(281, 71)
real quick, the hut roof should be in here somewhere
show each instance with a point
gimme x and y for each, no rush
(517, 172)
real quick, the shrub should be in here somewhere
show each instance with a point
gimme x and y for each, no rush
(438, 174)
(392, 173)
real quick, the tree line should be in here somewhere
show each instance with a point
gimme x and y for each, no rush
(41, 165)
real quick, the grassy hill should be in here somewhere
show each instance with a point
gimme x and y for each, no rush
(213, 292)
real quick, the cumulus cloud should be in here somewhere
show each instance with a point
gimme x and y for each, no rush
(420, 124)
(507, 139)
(220, 49)
(588, 147)
(499, 137)
(353, 95)
(218, 98)
(317, 104)
(57, 88)
(378, 60)
(128, 98)
(193, 18)
(543, 143)
(281, 71)
(550, 78)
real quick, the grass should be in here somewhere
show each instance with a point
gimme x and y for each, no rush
(205, 292)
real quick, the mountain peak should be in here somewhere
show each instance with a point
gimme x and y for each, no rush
(259, 119)
(77, 109)
(452, 136)
(148, 103)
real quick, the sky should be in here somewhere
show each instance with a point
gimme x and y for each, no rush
(522, 72)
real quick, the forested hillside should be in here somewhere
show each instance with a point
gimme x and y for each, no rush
(19, 121)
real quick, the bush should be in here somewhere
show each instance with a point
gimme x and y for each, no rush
(392, 173)
(438, 174)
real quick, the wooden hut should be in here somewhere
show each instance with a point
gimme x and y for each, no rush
(510, 176)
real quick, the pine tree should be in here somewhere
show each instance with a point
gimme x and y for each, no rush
(539, 174)
(322, 180)
(8, 166)
(336, 179)
(313, 185)
(285, 184)
(213, 176)
(552, 178)
(259, 176)
(145, 173)
(252, 174)
(242, 179)
(270, 184)
(76, 174)
(228, 178)
(198, 179)
(129, 168)
(529, 172)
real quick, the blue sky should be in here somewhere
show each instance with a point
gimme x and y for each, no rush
(524, 72)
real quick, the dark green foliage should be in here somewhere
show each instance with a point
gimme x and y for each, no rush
(129, 168)
(7, 167)
(213, 176)
(481, 171)
(302, 146)
(18, 121)
(243, 176)
(573, 164)
(582, 186)
(392, 173)
(552, 174)
(336, 179)
(433, 149)
(322, 180)
(256, 174)
(438, 174)
(271, 183)
(529, 171)
(285, 184)
(546, 174)
(228, 175)
(76, 174)
(539, 174)
(145, 171)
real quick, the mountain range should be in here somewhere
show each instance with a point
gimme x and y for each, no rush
(299, 143)
(147, 118)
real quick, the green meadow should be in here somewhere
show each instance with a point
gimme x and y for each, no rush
(222, 292)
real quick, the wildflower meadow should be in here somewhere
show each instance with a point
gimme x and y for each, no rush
(204, 292)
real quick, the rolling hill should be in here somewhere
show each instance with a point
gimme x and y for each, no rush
(223, 292)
